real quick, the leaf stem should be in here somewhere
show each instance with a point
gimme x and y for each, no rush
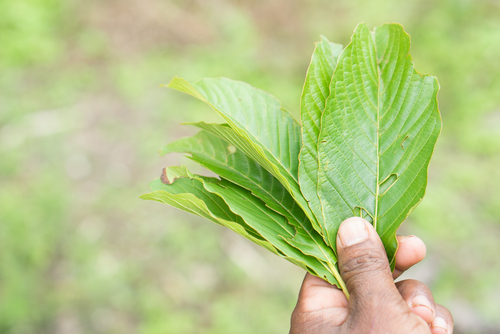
(339, 279)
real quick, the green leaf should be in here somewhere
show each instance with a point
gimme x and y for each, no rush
(312, 104)
(207, 197)
(253, 114)
(229, 162)
(272, 136)
(189, 195)
(270, 225)
(378, 133)
(370, 123)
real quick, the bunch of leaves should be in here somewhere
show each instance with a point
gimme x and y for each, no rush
(369, 126)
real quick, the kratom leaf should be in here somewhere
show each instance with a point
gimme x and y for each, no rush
(370, 123)
(378, 132)
(273, 137)
(269, 224)
(189, 195)
(229, 162)
(207, 197)
(312, 104)
(253, 114)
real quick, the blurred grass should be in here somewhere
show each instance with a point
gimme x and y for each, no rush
(82, 117)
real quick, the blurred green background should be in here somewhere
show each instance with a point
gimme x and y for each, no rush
(82, 117)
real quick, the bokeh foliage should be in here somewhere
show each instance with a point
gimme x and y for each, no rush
(82, 117)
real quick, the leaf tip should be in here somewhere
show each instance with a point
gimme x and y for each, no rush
(361, 25)
(164, 150)
(323, 39)
(173, 81)
(145, 196)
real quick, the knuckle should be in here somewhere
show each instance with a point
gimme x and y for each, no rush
(445, 313)
(410, 285)
(400, 322)
(361, 263)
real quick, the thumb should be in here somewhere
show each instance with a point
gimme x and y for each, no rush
(364, 268)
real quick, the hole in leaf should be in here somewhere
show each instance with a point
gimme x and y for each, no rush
(361, 212)
(402, 146)
(312, 271)
(387, 183)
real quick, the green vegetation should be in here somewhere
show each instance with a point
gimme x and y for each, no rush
(82, 115)
(369, 126)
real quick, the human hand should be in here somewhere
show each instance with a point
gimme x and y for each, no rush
(377, 305)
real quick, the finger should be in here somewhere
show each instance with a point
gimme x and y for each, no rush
(443, 323)
(365, 268)
(411, 251)
(316, 294)
(419, 298)
(319, 300)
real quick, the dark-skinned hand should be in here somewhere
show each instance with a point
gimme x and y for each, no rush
(377, 305)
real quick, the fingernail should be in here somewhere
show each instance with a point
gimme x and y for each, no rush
(419, 301)
(404, 238)
(353, 231)
(440, 323)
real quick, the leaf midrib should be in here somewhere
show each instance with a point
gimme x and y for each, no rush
(375, 216)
